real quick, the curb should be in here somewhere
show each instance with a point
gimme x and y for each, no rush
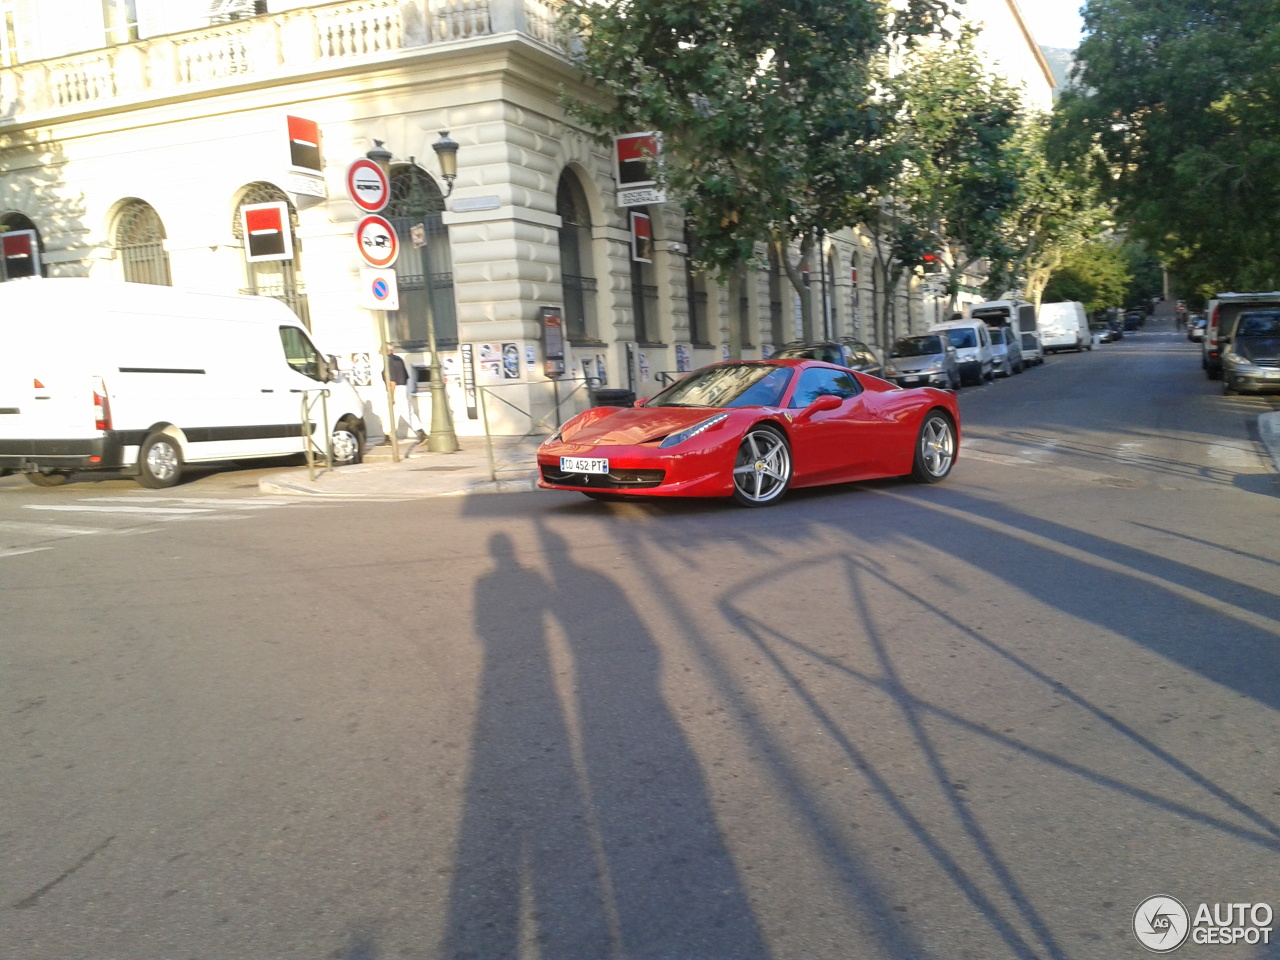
(1269, 432)
(389, 489)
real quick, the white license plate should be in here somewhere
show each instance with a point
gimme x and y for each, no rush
(583, 465)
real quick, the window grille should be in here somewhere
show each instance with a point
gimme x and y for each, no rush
(140, 244)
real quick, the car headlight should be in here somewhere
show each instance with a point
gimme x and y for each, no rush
(690, 432)
(1234, 357)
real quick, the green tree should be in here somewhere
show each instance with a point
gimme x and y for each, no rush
(1096, 274)
(776, 118)
(1179, 100)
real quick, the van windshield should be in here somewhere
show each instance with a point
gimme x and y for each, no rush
(962, 338)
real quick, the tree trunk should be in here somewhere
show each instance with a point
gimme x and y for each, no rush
(794, 275)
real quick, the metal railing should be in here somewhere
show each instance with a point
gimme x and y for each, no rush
(306, 426)
(537, 425)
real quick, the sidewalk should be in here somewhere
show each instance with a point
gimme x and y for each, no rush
(419, 473)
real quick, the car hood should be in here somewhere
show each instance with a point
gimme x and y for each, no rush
(1258, 348)
(627, 425)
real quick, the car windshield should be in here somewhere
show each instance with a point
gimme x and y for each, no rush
(997, 336)
(826, 352)
(962, 337)
(1029, 341)
(727, 385)
(1260, 325)
(917, 347)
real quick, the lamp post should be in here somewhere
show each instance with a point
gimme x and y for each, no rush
(442, 438)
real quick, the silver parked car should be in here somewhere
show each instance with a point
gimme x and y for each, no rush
(1251, 356)
(1032, 349)
(1006, 352)
(928, 360)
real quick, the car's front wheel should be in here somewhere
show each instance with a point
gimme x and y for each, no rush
(159, 462)
(935, 449)
(762, 469)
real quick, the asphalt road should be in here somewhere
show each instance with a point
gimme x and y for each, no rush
(983, 719)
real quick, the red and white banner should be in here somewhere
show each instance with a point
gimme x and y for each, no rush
(636, 156)
(641, 237)
(19, 254)
(304, 144)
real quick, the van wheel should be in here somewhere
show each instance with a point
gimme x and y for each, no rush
(159, 461)
(56, 479)
(348, 443)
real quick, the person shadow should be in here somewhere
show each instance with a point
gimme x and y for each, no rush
(595, 838)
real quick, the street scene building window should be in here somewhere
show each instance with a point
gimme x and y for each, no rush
(696, 291)
(139, 241)
(423, 274)
(776, 333)
(577, 273)
(644, 284)
(281, 279)
(21, 250)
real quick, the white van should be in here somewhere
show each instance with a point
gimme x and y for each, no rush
(1064, 326)
(143, 379)
(972, 341)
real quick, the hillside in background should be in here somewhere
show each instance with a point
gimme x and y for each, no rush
(1060, 61)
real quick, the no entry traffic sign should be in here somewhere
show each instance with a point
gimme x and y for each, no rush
(367, 186)
(377, 241)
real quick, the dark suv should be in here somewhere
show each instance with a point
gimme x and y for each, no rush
(842, 351)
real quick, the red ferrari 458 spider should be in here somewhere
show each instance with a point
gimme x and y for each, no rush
(752, 430)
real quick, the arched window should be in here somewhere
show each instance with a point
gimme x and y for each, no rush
(22, 252)
(577, 273)
(139, 240)
(696, 293)
(423, 274)
(274, 278)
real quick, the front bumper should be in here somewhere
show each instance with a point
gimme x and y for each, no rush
(641, 469)
(1251, 379)
(920, 378)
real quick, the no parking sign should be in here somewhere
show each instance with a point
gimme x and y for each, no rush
(380, 290)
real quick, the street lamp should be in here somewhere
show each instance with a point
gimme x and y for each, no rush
(442, 438)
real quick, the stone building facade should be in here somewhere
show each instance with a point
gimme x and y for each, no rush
(129, 145)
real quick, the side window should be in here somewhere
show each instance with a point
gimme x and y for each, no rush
(982, 333)
(299, 353)
(820, 382)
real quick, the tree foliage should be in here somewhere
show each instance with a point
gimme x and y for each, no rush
(1096, 274)
(1180, 99)
(776, 118)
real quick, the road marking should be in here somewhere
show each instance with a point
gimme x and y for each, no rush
(47, 529)
(20, 551)
(153, 511)
(212, 501)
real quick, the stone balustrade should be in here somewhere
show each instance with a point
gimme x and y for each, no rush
(292, 42)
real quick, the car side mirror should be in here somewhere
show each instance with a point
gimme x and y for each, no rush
(827, 401)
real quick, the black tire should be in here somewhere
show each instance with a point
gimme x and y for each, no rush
(1227, 389)
(935, 449)
(348, 442)
(990, 376)
(762, 470)
(55, 479)
(1213, 374)
(159, 462)
(954, 382)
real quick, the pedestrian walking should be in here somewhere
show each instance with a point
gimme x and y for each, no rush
(405, 378)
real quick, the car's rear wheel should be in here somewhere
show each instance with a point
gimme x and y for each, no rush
(935, 449)
(159, 462)
(762, 469)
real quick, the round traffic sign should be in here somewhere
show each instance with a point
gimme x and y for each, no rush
(381, 290)
(367, 185)
(377, 241)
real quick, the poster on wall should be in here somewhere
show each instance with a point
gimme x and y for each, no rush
(469, 381)
(588, 369)
(361, 370)
(724, 351)
(766, 351)
(644, 367)
(510, 361)
(530, 355)
(449, 368)
(683, 363)
(490, 363)
(602, 371)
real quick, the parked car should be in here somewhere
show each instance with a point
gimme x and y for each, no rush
(972, 342)
(842, 351)
(1006, 352)
(753, 429)
(1032, 348)
(1251, 359)
(927, 360)
(1223, 313)
(1195, 328)
(1064, 326)
(1102, 331)
(1133, 320)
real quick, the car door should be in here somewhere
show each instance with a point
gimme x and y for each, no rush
(829, 446)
